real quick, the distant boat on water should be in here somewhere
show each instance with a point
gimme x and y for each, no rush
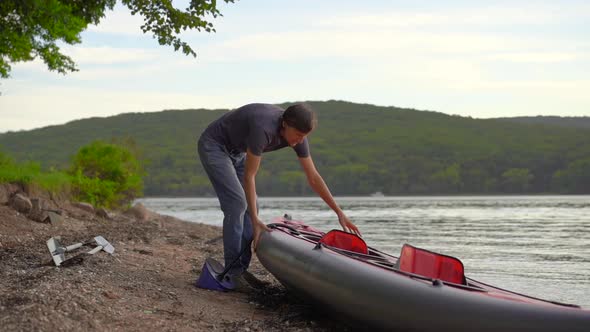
(377, 194)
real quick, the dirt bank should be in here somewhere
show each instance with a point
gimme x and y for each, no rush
(147, 285)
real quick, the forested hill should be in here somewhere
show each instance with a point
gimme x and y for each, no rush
(573, 121)
(359, 149)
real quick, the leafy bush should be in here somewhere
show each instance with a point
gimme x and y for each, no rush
(106, 175)
(30, 174)
(12, 172)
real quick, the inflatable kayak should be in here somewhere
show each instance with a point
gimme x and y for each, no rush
(419, 291)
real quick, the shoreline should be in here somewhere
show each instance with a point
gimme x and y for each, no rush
(378, 197)
(148, 283)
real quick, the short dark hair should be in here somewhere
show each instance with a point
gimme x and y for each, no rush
(301, 117)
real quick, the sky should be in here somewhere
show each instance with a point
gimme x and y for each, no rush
(481, 59)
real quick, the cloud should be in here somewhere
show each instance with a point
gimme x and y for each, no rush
(453, 17)
(374, 35)
(539, 57)
(119, 21)
(33, 108)
(36, 65)
(107, 55)
(392, 44)
(128, 73)
(112, 63)
(572, 90)
(100, 61)
(465, 76)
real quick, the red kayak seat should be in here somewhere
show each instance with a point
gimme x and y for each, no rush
(431, 264)
(343, 240)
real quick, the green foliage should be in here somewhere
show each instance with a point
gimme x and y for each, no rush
(53, 181)
(33, 28)
(95, 191)
(30, 173)
(517, 180)
(106, 174)
(359, 149)
(575, 178)
(5, 160)
(166, 22)
(15, 173)
(293, 181)
(573, 121)
(448, 179)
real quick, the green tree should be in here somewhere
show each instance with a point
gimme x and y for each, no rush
(517, 180)
(293, 182)
(32, 28)
(447, 180)
(575, 178)
(106, 174)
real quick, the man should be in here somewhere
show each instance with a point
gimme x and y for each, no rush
(230, 150)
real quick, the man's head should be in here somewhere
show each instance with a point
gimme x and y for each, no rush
(298, 121)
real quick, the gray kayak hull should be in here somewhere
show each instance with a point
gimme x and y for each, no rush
(381, 298)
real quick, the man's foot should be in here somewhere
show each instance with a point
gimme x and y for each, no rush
(241, 285)
(253, 281)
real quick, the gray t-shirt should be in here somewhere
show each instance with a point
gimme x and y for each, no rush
(253, 126)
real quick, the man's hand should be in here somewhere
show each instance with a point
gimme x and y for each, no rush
(258, 227)
(347, 225)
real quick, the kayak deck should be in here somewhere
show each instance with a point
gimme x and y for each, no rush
(389, 262)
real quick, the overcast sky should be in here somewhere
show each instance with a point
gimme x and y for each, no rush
(471, 58)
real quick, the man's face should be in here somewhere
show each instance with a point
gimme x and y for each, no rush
(292, 135)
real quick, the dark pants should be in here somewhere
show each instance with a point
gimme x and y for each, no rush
(226, 172)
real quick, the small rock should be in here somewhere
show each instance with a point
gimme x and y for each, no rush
(4, 195)
(22, 203)
(139, 211)
(111, 295)
(6, 191)
(38, 210)
(53, 218)
(39, 217)
(60, 212)
(38, 205)
(85, 206)
(103, 213)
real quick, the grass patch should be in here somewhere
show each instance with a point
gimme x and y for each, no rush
(102, 174)
(54, 182)
(30, 174)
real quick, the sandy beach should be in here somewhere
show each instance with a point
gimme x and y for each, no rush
(148, 284)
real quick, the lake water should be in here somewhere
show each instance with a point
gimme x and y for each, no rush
(537, 245)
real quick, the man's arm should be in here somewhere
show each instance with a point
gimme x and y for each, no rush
(251, 168)
(316, 182)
